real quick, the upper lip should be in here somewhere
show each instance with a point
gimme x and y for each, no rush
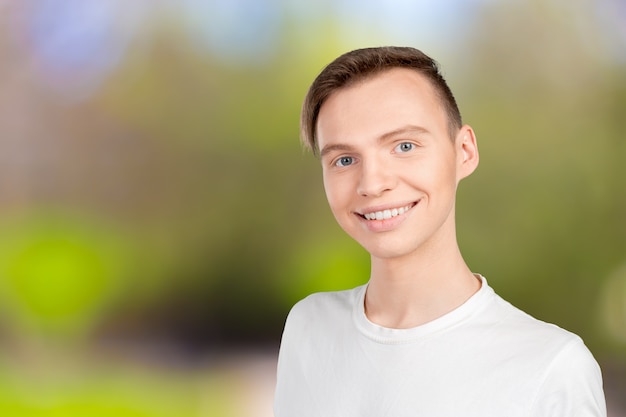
(384, 207)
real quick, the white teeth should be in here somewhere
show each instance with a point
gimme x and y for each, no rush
(387, 214)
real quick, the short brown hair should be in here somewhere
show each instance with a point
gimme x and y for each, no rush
(361, 64)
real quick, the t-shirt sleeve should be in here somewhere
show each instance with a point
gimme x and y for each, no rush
(289, 396)
(572, 385)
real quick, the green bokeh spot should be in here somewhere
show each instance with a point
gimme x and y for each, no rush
(57, 274)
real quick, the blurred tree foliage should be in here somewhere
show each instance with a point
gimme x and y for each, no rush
(545, 213)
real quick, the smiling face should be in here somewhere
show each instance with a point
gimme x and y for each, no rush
(390, 167)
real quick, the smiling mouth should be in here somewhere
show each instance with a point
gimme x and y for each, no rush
(387, 214)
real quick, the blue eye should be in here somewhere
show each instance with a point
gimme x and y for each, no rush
(344, 161)
(404, 147)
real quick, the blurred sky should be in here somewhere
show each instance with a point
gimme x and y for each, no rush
(75, 44)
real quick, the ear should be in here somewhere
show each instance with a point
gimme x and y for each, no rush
(467, 152)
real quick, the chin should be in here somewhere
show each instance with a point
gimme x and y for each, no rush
(388, 250)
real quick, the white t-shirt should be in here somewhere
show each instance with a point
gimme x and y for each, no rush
(484, 359)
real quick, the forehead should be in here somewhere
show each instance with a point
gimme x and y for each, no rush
(381, 103)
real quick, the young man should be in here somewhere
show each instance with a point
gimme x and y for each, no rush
(425, 336)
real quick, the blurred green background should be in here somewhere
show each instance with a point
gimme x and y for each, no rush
(158, 217)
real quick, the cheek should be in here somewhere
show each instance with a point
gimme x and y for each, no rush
(330, 190)
(436, 172)
(336, 194)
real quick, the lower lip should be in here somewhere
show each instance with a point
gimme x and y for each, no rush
(386, 225)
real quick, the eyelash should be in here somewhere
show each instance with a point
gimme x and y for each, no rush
(350, 159)
(337, 163)
(399, 147)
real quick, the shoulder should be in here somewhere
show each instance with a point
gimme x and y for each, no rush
(324, 305)
(514, 336)
(507, 323)
(317, 320)
(567, 378)
(520, 327)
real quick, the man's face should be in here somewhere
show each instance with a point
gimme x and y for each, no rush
(390, 168)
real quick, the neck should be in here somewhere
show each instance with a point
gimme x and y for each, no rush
(409, 291)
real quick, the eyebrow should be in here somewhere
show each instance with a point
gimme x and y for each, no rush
(336, 147)
(403, 130)
(384, 137)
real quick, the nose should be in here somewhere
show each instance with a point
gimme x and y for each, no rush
(375, 179)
